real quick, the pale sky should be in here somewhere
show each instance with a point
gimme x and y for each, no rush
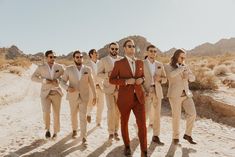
(66, 25)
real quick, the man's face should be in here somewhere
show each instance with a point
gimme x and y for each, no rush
(51, 58)
(130, 48)
(114, 50)
(94, 56)
(152, 53)
(78, 59)
(182, 58)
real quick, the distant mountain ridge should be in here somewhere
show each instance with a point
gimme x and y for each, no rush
(206, 49)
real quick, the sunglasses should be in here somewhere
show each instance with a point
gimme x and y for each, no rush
(51, 57)
(114, 49)
(77, 57)
(153, 51)
(130, 46)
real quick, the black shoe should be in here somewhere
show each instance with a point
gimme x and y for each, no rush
(74, 134)
(48, 134)
(127, 151)
(176, 141)
(189, 139)
(83, 141)
(111, 136)
(144, 154)
(88, 118)
(54, 136)
(116, 136)
(157, 140)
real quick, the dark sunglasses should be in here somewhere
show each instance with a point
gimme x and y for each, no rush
(77, 57)
(130, 46)
(153, 51)
(114, 49)
(52, 57)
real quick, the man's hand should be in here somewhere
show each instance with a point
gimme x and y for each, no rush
(157, 78)
(130, 81)
(93, 101)
(185, 75)
(139, 81)
(71, 89)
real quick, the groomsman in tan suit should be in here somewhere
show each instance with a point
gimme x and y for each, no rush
(80, 80)
(93, 64)
(155, 75)
(49, 75)
(105, 68)
(179, 74)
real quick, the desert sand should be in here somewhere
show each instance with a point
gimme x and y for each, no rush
(22, 130)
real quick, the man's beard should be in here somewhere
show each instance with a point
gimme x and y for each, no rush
(78, 64)
(113, 54)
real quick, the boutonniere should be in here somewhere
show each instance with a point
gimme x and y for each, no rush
(159, 67)
(57, 71)
(85, 72)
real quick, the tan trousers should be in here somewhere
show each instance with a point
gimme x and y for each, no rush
(82, 108)
(54, 100)
(153, 112)
(113, 115)
(189, 107)
(99, 105)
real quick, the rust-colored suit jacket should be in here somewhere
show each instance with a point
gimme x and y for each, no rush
(122, 72)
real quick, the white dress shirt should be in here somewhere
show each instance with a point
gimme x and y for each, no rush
(131, 64)
(152, 68)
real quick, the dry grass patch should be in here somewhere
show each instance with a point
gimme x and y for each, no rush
(221, 70)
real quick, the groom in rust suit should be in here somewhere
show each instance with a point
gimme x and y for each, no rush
(128, 74)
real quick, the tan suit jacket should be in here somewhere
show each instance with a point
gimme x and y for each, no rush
(159, 69)
(97, 80)
(176, 83)
(81, 86)
(104, 67)
(42, 73)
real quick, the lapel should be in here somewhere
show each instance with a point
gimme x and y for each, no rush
(48, 75)
(148, 68)
(129, 68)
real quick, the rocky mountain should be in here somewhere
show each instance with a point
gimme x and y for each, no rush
(221, 47)
(12, 52)
(140, 42)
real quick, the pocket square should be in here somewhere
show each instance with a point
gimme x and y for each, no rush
(140, 68)
(57, 71)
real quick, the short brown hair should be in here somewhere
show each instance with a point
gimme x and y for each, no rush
(128, 40)
(76, 52)
(150, 46)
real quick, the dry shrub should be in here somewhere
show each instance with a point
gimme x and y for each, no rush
(22, 62)
(229, 81)
(205, 80)
(64, 61)
(16, 70)
(228, 62)
(232, 68)
(221, 70)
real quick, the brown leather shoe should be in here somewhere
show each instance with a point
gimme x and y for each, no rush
(157, 140)
(88, 118)
(176, 141)
(48, 134)
(144, 154)
(74, 134)
(111, 136)
(127, 151)
(116, 136)
(189, 139)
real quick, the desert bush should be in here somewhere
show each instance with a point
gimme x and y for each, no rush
(22, 62)
(232, 68)
(16, 70)
(221, 70)
(205, 79)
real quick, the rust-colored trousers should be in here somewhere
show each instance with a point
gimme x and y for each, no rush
(139, 112)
